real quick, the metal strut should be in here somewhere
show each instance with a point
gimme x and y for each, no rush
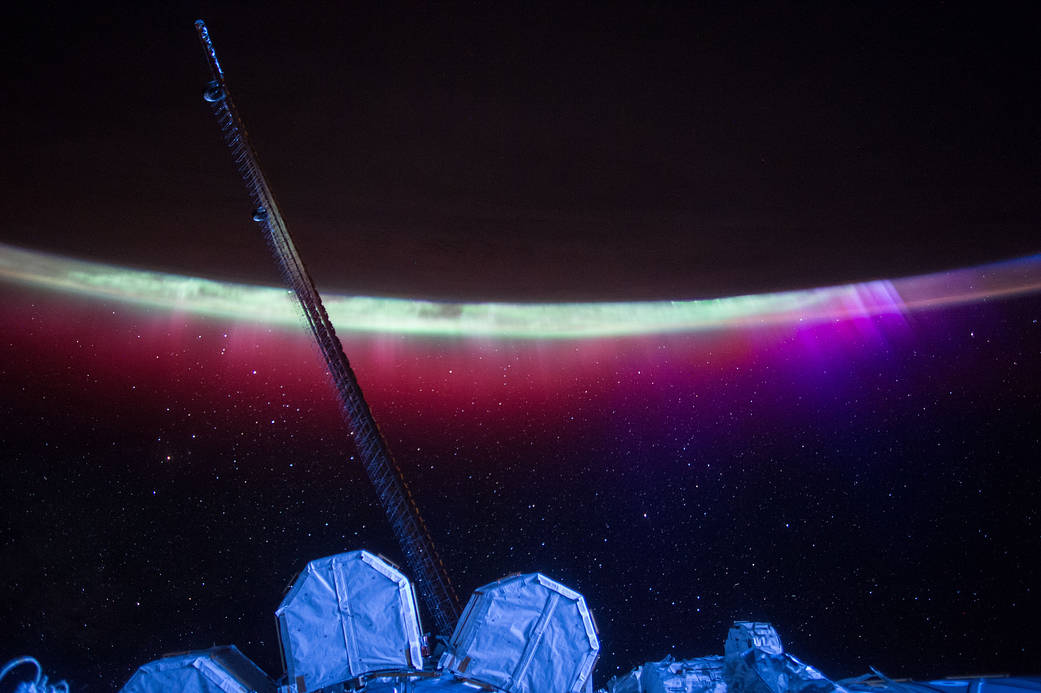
(422, 559)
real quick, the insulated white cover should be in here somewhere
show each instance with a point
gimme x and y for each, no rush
(746, 635)
(445, 683)
(525, 634)
(702, 675)
(217, 670)
(348, 615)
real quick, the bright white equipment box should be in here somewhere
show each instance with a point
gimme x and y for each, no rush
(348, 615)
(525, 634)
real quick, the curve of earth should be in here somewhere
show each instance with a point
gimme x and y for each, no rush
(275, 306)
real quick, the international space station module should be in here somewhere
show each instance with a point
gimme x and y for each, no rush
(350, 622)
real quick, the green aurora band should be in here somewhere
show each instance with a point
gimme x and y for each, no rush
(276, 306)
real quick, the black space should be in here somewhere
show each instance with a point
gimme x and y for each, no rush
(523, 151)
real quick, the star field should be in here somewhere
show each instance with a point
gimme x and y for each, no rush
(869, 486)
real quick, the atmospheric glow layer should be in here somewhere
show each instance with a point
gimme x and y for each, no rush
(274, 306)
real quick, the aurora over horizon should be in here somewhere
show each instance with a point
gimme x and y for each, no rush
(272, 306)
(708, 312)
(850, 463)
